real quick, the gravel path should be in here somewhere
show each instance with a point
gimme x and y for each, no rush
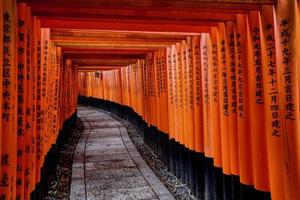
(107, 165)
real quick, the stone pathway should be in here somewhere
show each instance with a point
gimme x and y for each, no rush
(107, 165)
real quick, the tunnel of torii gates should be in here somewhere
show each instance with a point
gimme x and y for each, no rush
(214, 79)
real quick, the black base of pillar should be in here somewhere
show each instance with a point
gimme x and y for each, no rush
(52, 158)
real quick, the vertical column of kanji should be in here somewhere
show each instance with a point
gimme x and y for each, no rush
(85, 83)
(52, 66)
(112, 82)
(184, 93)
(39, 101)
(89, 82)
(111, 85)
(133, 86)
(232, 97)
(107, 84)
(179, 94)
(65, 83)
(149, 63)
(156, 72)
(56, 117)
(244, 137)
(256, 105)
(54, 98)
(101, 85)
(115, 86)
(140, 88)
(286, 52)
(164, 92)
(190, 96)
(45, 36)
(210, 138)
(223, 96)
(62, 90)
(22, 97)
(175, 93)
(198, 111)
(119, 87)
(271, 97)
(13, 145)
(215, 105)
(33, 89)
(160, 103)
(128, 86)
(29, 102)
(81, 84)
(124, 85)
(205, 90)
(68, 89)
(29, 123)
(9, 101)
(144, 75)
(1, 74)
(48, 100)
(153, 93)
(136, 86)
(170, 92)
(75, 97)
(149, 89)
(146, 78)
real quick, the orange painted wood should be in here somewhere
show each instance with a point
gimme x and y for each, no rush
(232, 89)
(179, 83)
(22, 98)
(243, 127)
(198, 110)
(223, 94)
(271, 96)
(286, 51)
(256, 105)
(1, 73)
(9, 101)
(170, 92)
(216, 131)
(190, 95)
(185, 102)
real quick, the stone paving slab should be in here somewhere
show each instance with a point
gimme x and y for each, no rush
(107, 165)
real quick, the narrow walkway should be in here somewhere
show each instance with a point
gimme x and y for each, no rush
(107, 165)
